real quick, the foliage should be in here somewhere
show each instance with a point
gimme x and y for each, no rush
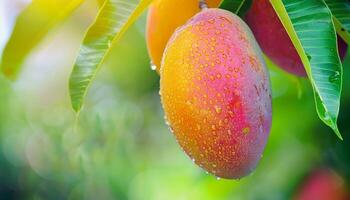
(318, 54)
(41, 16)
(316, 44)
(120, 149)
(113, 20)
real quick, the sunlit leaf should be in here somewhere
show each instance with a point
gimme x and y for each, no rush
(114, 18)
(31, 27)
(238, 7)
(310, 27)
(341, 17)
(100, 2)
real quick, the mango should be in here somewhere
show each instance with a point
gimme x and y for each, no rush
(323, 184)
(274, 40)
(215, 92)
(164, 16)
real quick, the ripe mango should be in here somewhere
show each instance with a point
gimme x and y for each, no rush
(215, 91)
(164, 16)
(274, 40)
(323, 184)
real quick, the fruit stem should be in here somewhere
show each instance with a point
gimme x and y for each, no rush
(203, 4)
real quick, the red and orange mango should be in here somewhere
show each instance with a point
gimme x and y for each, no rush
(274, 40)
(323, 184)
(215, 92)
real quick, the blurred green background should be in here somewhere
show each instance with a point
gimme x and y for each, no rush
(120, 148)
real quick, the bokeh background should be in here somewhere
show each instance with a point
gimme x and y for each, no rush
(120, 148)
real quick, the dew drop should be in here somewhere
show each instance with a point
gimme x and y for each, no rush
(334, 77)
(220, 123)
(226, 120)
(246, 130)
(153, 66)
(218, 109)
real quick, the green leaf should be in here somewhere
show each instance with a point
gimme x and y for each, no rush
(114, 18)
(309, 25)
(341, 17)
(101, 2)
(31, 27)
(238, 7)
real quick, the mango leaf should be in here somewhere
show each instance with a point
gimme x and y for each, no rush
(309, 25)
(238, 7)
(341, 17)
(101, 2)
(31, 27)
(114, 18)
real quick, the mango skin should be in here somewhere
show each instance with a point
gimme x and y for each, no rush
(164, 16)
(216, 95)
(274, 40)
